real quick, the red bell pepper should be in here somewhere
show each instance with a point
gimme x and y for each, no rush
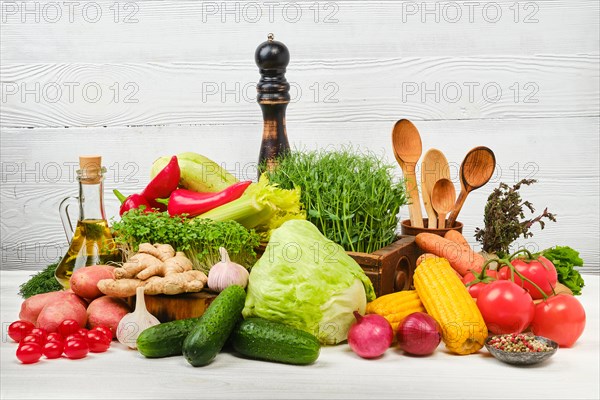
(193, 203)
(163, 184)
(133, 201)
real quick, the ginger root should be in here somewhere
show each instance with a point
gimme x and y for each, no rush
(125, 287)
(159, 269)
(150, 260)
(185, 282)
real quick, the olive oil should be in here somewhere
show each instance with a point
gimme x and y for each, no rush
(92, 244)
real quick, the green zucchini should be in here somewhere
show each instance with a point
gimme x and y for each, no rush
(209, 335)
(165, 339)
(273, 341)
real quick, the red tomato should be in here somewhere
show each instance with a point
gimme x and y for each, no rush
(19, 329)
(506, 307)
(76, 348)
(37, 339)
(475, 289)
(97, 341)
(541, 272)
(53, 349)
(54, 337)
(560, 318)
(107, 332)
(68, 327)
(29, 353)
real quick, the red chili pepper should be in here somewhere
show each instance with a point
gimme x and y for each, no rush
(193, 203)
(130, 202)
(163, 184)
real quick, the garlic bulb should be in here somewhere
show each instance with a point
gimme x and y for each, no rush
(226, 273)
(132, 324)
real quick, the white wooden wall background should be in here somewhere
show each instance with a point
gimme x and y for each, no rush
(137, 80)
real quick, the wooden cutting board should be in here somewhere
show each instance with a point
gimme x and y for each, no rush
(180, 306)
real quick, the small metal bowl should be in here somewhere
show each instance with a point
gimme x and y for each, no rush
(518, 358)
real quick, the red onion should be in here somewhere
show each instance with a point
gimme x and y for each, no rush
(370, 336)
(419, 334)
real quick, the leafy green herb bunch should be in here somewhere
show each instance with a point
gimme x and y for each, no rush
(350, 195)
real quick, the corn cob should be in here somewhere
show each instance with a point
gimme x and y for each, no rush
(447, 300)
(396, 306)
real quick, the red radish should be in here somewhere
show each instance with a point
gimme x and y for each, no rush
(370, 336)
(419, 334)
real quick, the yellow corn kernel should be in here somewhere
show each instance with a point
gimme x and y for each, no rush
(447, 300)
(396, 306)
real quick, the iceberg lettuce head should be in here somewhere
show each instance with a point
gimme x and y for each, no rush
(309, 282)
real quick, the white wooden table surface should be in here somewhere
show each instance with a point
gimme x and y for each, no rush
(338, 373)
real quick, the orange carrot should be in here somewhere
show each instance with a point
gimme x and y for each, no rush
(461, 257)
(456, 237)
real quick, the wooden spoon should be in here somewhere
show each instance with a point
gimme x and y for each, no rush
(475, 171)
(433, 168)
(443, 196)
(406, 142)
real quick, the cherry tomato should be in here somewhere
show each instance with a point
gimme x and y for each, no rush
(53, 349)
(83, 332)
(76, 348)
(560, 318)
(54, 337)
(74, 336)
(106, 330)
(506, 307)
(541, 272)
(40, 332)
(37, 339)
(29, 353)
(68, 327)
(19, 329)
(97, 341)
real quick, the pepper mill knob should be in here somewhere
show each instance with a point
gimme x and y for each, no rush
(273, 95)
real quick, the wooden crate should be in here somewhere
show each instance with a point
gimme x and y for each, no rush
(390, 268)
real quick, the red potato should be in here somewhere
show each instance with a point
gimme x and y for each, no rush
(53, 314)
(84, 281)
(107, 311)
(31, 308)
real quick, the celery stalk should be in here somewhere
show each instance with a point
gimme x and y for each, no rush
(237, 210)
(262, 207)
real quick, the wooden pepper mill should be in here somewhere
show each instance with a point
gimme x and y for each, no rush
(272, 58)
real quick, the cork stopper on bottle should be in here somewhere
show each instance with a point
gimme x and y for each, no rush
(91, 169)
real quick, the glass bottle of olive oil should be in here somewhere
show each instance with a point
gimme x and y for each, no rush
(92, 243)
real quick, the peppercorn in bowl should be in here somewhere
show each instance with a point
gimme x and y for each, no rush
(521, 348)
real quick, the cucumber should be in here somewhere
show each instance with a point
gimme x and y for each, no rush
(209, 335)
(166, 339)
(273, 341)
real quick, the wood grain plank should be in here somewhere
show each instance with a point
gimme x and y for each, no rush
(545, 149)
(193, 31)
(59, 95)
